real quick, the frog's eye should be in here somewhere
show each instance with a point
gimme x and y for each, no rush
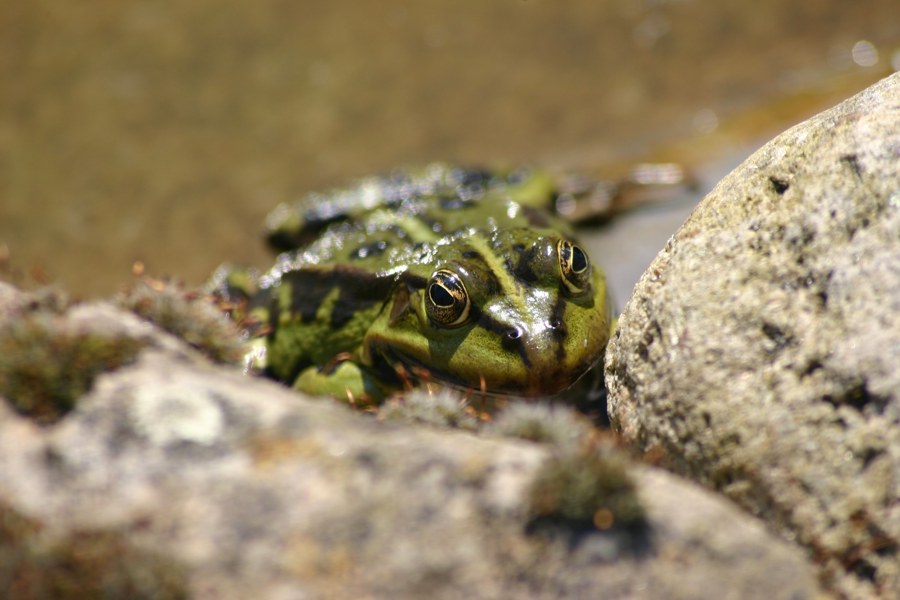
(447, 301)
(574, 267)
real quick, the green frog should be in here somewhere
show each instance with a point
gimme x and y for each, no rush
(459, 276)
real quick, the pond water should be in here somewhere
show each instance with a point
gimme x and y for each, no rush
(162, 134)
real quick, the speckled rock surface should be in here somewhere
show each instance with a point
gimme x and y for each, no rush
(175, 478)
(760, 352)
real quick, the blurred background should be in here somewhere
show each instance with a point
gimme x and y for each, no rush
(162, 133)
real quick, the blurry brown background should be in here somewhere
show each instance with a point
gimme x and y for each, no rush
(163, 132)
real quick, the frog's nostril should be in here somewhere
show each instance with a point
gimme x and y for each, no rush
(513, 333)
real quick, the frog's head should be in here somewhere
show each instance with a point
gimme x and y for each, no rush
(512, 312)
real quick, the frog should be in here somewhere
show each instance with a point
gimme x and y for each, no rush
(449, 275)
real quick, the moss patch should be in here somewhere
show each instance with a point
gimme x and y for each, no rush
(45, 366)
(585, 489)
(189, 315)
(444, 408)
(544, 423)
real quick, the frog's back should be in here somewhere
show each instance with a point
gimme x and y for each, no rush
(426, 204)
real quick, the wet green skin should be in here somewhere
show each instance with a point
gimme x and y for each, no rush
(459, 276)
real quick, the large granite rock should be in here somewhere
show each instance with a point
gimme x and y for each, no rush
(760, 353)
(177, 478)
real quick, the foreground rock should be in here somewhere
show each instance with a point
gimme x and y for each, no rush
(761, 350)
(175, 478)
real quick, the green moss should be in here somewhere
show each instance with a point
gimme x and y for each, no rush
(189, 315)
(585, 489)
(45, 367)
(444, 408)
(555, 424)
(80, 565)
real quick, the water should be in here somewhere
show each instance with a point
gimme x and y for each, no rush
(137, 131)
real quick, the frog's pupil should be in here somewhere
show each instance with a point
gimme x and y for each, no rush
(579, 260)
(440, 296)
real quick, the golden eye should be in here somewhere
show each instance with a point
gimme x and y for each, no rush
(447, 301)
(574, 267)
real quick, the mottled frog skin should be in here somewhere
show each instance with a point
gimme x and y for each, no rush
(447, 274)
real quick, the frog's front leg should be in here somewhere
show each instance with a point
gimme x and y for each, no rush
(343, 378)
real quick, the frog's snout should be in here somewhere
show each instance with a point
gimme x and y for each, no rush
(549, 360)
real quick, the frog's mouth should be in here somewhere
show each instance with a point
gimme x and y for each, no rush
(408, 369)
(404, 367)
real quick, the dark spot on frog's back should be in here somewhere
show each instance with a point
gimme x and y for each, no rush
(454, 202)
(358, 290)
(536, 217)
(473, 176)
(283, 240)
(370, 250)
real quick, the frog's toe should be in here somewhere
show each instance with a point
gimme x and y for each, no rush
(347, 380)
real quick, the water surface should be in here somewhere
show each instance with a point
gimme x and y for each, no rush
(163, 132)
